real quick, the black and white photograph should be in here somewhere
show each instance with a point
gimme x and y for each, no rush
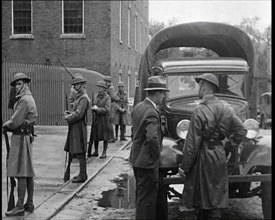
(136, 110)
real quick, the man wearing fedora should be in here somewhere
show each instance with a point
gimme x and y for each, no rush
(77, 135)
(146, 148)
(110, 89)
(204, 162)
(100, 127)
(19, 162)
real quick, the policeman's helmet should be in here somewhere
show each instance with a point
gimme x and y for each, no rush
(20, 76)
(209, 77)
(78, 79)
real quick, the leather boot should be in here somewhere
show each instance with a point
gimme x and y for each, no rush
(105, 146)
(82, 177)
(116, 131)
(95, 154)
(29, 207)
(122, 133)
(21, 191)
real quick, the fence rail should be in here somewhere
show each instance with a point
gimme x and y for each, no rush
(49, 84)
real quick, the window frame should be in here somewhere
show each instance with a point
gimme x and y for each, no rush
(129, 26)
(21, 35)
(74, 35)
(120, 22)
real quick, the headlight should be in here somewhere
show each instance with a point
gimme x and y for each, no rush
(252, 127)
(182, 128)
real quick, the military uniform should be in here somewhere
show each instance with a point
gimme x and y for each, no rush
(20, 163)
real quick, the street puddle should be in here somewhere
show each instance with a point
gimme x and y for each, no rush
(123, 196)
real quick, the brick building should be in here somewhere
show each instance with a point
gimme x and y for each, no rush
(105, 36)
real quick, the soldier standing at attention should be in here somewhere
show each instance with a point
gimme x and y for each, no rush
(204, 156)
(21, 124)
(120, 119)
(112, 93)
(100, 127)
(77, 136)
(146, 148)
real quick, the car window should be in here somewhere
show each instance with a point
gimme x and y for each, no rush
(184, 84)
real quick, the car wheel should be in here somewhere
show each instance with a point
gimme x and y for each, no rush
(266, 199)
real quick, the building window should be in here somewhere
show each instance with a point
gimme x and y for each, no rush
(73, 14)
(136, 32)
(22, 17)
(129, 26)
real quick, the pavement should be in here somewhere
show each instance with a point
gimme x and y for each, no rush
(49, 163)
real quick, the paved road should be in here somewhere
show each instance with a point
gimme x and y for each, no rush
(49, 159)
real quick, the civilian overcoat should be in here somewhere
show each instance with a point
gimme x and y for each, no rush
(204, 157)
(100, 127)
(147, 136)
(122, 102)
(113, 107)
(20, 156)
(77, 135)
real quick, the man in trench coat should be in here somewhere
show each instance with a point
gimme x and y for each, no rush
(120, 117)
(204, 153)
(100, 127)
(146, 148)
(77, 135)
(20, 163)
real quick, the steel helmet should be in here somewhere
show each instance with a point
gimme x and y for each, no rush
(78, 79)
(101, 84)
(120, 84)
(108, 78)
(20, 76)
(209, 77)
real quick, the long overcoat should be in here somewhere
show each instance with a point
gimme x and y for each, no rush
(122, 102)
(20, 156)
(100, 127)
(112, 93)
(204, 156)
(77, 135)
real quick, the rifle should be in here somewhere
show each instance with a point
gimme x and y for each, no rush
(68, 71)
(11, 203)
(68, 159)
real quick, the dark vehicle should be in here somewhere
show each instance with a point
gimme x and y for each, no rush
(265, 113)
(234, 67)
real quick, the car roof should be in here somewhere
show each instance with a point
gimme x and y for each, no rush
(203, 65)
(266, 93)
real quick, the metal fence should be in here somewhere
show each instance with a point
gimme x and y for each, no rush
(49, 86)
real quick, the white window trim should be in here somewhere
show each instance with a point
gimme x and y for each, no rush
(129, 26)
(120, 22)
(72, 35)
(140, 40)
(21, 36)
(136, 32)
(128, 87)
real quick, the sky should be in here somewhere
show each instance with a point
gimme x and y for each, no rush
(226, 11)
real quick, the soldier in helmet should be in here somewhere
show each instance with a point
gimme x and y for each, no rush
(100, 127)
(204, 155)
(77, 136)
(120, 119)
(20, 164)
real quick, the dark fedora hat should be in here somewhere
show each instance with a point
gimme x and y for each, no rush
(156, 83)
(19, 76)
